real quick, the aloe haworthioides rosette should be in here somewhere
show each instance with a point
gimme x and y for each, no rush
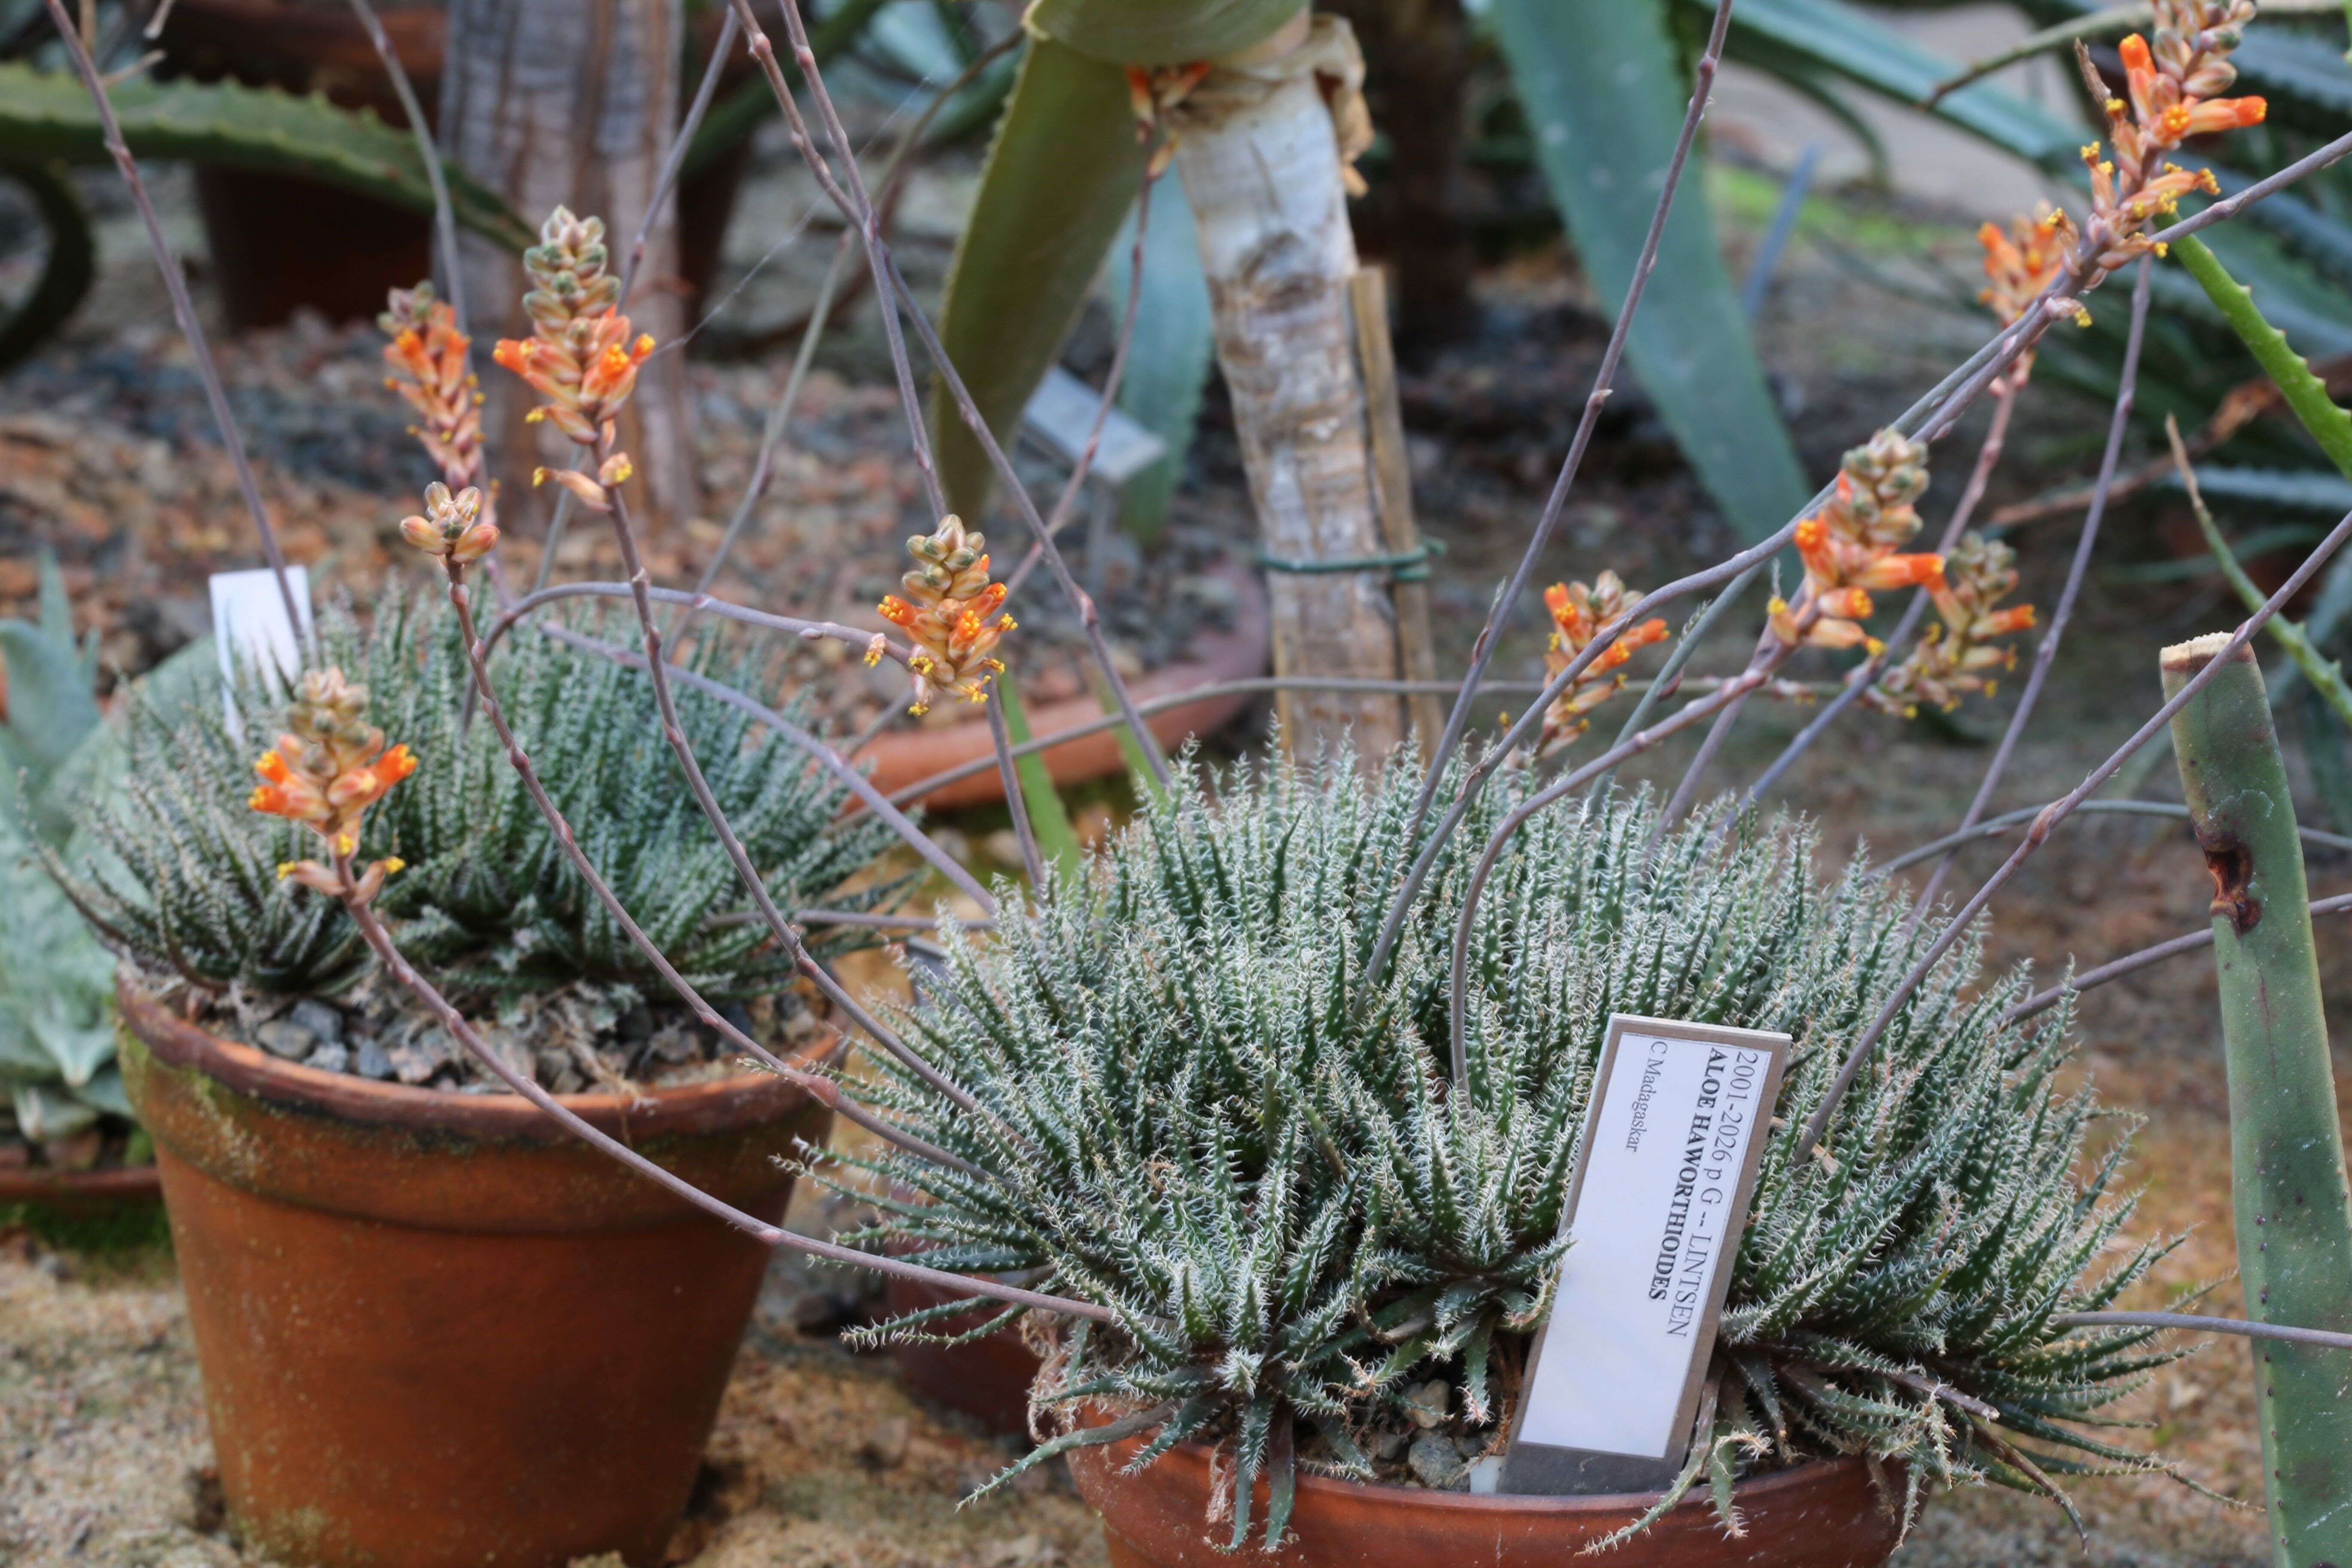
(2294, 1217)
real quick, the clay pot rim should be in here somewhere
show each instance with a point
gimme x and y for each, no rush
(712, 1105)
(1384, 1494)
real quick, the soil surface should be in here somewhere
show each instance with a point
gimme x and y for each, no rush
(821, 1458)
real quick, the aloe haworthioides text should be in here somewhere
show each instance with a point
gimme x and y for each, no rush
(2294, 1218)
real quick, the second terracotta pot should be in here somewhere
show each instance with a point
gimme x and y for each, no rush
(1815, 1516)
(435, 1330)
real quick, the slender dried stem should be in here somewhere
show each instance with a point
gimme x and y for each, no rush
(1482, 652)
(2045, 653)
(445, 217)
(1014, 804)
(2132, 963)
(184, 311)
(477, 657)
(680, 141)
(379, 941)
(773, 432)
(1993, 828)
(807, 631)
(2197, 1324)
(2048, 818)
(892, 285)
(2229, 208)
(860, 787)
(1069, 499)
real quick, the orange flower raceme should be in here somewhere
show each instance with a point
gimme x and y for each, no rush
(579, 356)
(1578, 613)
(2172, 83)
(426, 356)
(329, 766)
(2019, 262)
(1955, 656)
(1852, 548)
(946, 613)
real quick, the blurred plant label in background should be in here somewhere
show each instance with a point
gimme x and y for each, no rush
(249, 627)
(1655, 1205)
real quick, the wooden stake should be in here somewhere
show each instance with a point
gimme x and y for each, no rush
(1392, 494)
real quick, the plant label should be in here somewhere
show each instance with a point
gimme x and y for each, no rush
(1655, 1206)
(249, 627)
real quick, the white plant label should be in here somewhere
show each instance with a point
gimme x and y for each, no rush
(1655, 1207)
(249, 625)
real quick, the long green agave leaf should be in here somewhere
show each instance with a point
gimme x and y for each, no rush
(1061, 174)
(47, 115)
(1604, 95)
(1167, 365)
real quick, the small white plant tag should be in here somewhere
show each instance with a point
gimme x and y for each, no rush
(249, 627)
(1655, 1208)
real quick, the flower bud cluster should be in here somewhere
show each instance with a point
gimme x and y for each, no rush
(326, 770)
(946, 613)
(426, 357)
(1957, 652)
(1853, 547)
(451, 526)
(579, 356)
(1578, 613)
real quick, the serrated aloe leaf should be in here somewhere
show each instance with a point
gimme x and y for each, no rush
(46, 114)
(1605, 96)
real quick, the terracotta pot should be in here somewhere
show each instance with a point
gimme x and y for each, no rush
(1239, 653)
(987, 1380)
(435, 1329)
(348, 249)
(80, 1192)
(1814, 1516)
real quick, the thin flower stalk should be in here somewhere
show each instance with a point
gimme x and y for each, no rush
(865, 641)
(2077, 571)
(2132, 963)
(892, 285)
(2049, 816)
(428, 151)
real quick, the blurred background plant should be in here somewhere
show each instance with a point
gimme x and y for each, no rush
(64, 1106)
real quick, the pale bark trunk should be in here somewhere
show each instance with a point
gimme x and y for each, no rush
(574, 102)
(1263, 172)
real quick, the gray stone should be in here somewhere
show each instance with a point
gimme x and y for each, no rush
(1426, 1405)
(1388, 1445)
(330, 1058)
(370, 1060)
(413, 1064)
(321, 1019)
(283, 1037)
(1434, 1463)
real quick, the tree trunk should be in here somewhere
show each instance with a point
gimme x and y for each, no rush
(1263, 169)
(574, 102)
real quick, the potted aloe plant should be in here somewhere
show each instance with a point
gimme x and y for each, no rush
(432, 1327)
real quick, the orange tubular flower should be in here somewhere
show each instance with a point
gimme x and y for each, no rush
(325, 772)
(948, 619)
(1578, 615)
